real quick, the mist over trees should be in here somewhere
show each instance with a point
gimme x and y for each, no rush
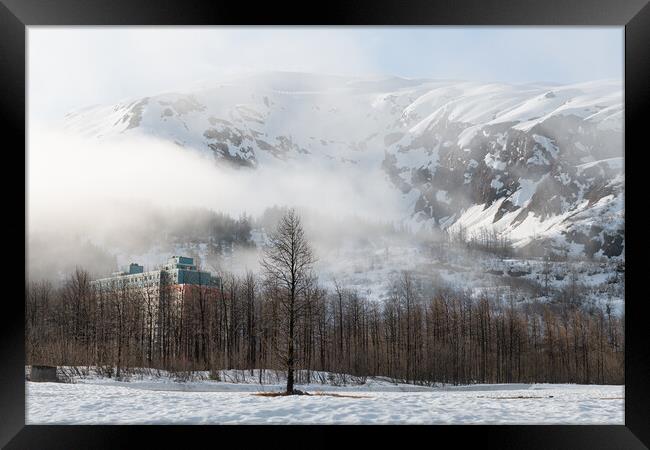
(53, 254)
(282, 318)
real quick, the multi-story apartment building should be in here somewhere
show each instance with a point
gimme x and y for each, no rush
(178, 273)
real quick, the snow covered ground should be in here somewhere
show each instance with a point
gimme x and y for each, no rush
(378, 401)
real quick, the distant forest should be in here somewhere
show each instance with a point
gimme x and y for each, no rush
(282, 318)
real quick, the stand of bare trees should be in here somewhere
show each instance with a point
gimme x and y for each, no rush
(283, 319)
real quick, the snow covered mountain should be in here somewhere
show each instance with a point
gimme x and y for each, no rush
(540, 163)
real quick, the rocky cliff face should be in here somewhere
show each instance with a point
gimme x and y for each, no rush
(540, 164)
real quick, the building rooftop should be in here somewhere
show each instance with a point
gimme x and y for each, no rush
(179, 270)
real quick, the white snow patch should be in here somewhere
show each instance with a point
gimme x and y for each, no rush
(548, 144)
(442, 197)
(492, 162)
(526, 190)
(131, 403)
(612, 163)
(496, 184)
(466, 136)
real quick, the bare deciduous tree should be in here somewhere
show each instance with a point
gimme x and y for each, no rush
(287, 262)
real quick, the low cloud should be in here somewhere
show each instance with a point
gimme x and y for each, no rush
(111, 192)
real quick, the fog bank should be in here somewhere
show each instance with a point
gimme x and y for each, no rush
(121, 193)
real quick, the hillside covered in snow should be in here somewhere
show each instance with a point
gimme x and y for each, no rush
(538, 164)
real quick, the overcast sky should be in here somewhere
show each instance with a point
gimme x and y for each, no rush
(73, 67)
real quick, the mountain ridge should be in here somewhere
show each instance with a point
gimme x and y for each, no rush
(540, 163)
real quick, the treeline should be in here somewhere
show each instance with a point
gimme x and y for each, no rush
(485, 240)
(199, 225)
(443, 337)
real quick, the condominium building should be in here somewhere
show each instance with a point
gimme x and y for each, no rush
(179, 271)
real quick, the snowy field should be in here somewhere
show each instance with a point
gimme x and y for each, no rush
(158, 401)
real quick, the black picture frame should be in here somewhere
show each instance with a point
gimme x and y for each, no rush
(634, 15)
